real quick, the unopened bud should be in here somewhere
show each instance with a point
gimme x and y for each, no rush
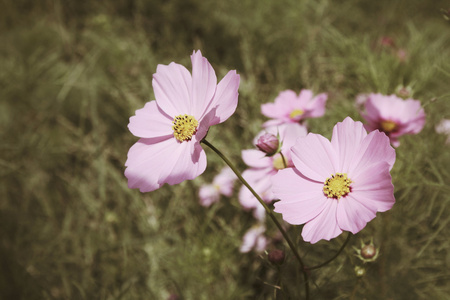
(268, 143)
(360, 271)
(276, 256)
(404, 92)
(367, 252)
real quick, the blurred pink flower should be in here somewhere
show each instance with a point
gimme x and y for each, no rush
(290, 108)
(393, 115)
(222, 184)
(172, 126)
(338, 185)
(263, 167)
(444, 128)
(254, 239)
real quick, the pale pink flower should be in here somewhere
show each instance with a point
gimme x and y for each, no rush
(263, 167)
(338, 185)
(172, 126)
(393, 115)
(444, 128)
(222, 185)
(254, 239)
(290, 108)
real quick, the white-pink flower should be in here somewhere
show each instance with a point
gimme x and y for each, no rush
(172, 126)
(393, 115)
(336, 186)
(263, 167)
(254, 239)
(222, 185)
(290, 108)
(444, 128)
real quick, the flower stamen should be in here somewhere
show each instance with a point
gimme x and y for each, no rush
(296, 113)
(388, 126)
(184, 127)
(337, 186)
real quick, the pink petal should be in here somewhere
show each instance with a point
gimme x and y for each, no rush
(304, 98)
(150, 164)
(324, 226)
(150, 122)
(352, 214)
(316, 107)
(373, 149)
(204, 82)
(373, 187)
(256, 159)
(314, 157)
(347, 136)
(226, 97)
(301, 200)
(208, 195)
(272, 123)
(172, 88)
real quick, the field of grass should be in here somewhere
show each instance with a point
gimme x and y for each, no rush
(72, 73)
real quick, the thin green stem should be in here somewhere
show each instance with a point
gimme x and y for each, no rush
(336, 255)
(269, 212)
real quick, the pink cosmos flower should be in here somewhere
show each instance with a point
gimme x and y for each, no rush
(222, 184)
(338, 185)
(172, 126)
(393, 115)
(254, 239)
(263, 167)
(290, 108)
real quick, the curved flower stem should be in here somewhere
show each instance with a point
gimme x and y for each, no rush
(336, 255)
(269, 212)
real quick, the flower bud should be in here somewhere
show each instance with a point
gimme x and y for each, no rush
(360, 271)
(268, 143)
(367, 252)
(276, 256)
(404, 92)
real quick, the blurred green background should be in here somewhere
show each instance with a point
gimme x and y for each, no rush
(73, 72)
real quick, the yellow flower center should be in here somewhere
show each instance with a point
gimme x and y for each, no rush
(336, 186)
(278, 162)
(388, 126)
(295, 113)
(184, 127)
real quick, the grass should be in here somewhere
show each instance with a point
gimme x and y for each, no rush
(71, 75)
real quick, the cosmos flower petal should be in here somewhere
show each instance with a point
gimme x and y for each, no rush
(375, 147)
(352, 214)
(204, 82)
(256, 159)
(316, 108)
(302, 198)
(314, 157)
(284, 103)
(374, 187)
(150, 122)
(172, 88)
(150, 165)
(324, 226)
(179, 164)
(226, 96)
(208, 194)
(141, 171)
(347, 136)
